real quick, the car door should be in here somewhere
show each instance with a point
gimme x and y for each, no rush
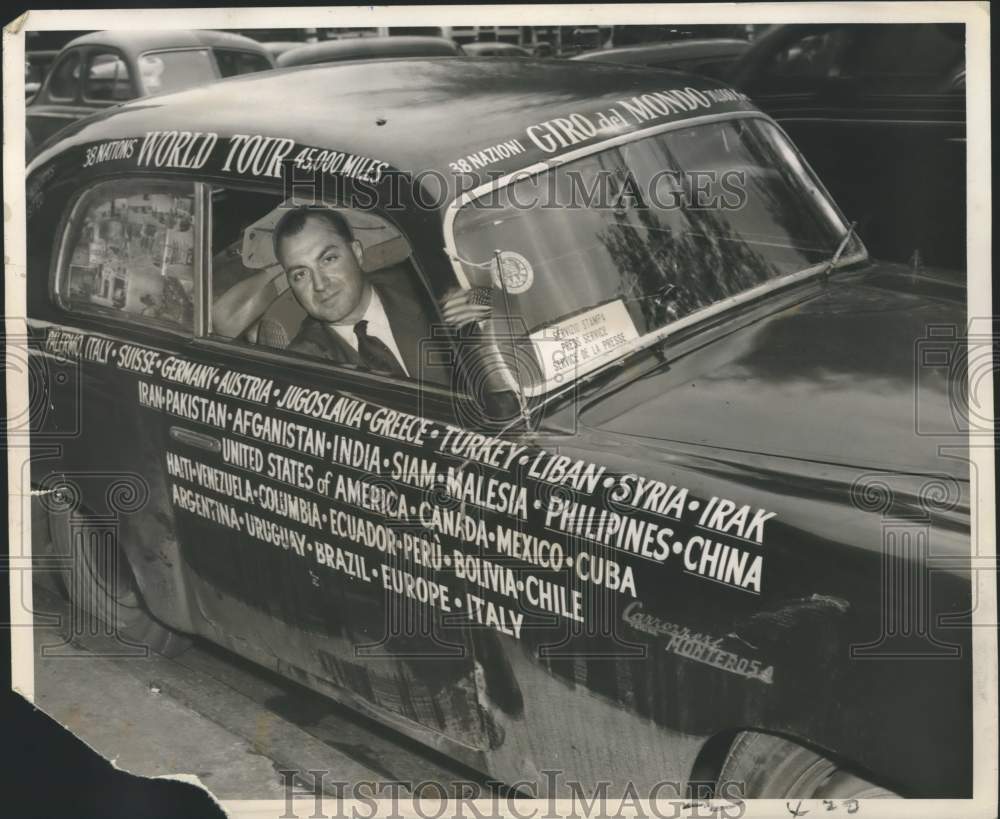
(119, 302)
(297, 489)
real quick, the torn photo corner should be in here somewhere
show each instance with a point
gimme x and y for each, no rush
(560, 410)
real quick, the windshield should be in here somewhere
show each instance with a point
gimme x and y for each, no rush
(607, 249)
(164, 71)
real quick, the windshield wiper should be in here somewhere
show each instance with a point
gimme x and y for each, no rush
(832, 262)
(659, 295)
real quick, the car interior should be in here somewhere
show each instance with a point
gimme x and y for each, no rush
(245, 267)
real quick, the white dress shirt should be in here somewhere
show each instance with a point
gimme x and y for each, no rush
(378, 326)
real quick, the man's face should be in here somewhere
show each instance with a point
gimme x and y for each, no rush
(323, 270)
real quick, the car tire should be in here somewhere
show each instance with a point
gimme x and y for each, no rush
(764, 766)
(100, 585)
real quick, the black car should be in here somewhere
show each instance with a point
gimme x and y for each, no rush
(637, 525)
(879, 111)
(495, 49)
(368, 48)
(105, 68)
(713, 58)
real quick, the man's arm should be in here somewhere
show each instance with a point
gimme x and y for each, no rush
(243, 303)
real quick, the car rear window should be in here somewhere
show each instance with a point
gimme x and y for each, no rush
(163, 71)
(232, 63)
(129, 252)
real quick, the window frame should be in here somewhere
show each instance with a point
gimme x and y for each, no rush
(203, 316)
(77, 54)
(100, 52)
(69, 224)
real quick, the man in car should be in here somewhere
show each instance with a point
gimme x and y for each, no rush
(376, 321)
(323, 265)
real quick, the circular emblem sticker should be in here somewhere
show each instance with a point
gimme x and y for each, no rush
(518, 275)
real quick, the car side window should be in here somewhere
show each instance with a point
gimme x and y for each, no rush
(107, 79)
(65, 77)
(129, 251)
(800, 64)
(233, 63)
(338, 266)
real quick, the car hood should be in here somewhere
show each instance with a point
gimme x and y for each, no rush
(868, 372)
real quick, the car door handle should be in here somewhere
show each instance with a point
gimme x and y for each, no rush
(198, 439)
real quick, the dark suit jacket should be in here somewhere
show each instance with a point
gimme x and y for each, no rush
(409, 312)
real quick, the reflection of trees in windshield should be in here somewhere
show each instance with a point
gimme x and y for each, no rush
(633, 223)
(769, 188)
(707, 253)
(706, 262)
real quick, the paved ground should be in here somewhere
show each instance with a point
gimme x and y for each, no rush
(211, 714)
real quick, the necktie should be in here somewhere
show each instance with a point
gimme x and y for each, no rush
(375, 354)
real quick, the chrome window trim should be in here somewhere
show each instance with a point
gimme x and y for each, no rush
(202, 252)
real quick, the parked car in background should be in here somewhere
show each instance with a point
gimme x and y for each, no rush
(496, 50)
(36, 67)
(879, 111)
(666, 560)
(638, 35)
(368, 48)
(278, 47)
(712, 58)
(105, 68)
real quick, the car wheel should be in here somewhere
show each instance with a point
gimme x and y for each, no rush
(763, 766)
(101, 587)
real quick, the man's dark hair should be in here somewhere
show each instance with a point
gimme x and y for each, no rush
(293, 221)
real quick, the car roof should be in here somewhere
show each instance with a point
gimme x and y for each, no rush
(278, 47)
(414, 115)
(678, 49)
(137, 42)
(362, 48)
(476, 48)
